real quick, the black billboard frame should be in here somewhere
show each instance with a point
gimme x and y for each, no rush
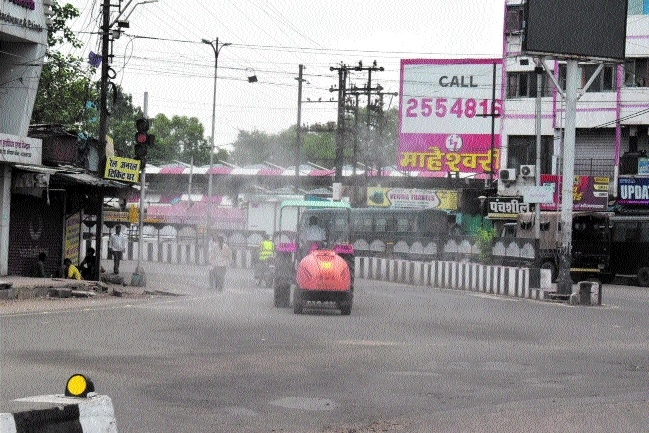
(576, 29)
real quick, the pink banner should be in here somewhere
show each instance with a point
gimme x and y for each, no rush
(589, 193)
(467, 153)
(449, 120)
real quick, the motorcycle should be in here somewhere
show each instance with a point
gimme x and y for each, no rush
(264, 273)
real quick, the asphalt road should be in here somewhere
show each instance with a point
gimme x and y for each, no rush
(410, 359)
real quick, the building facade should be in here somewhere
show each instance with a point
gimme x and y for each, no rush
(23, 38)
(50, 178)
(612, 118)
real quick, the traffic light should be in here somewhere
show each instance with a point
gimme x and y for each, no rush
(142, 138)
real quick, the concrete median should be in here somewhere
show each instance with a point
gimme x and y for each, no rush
(57, 413)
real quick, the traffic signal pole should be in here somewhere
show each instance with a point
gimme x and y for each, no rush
(138, 279)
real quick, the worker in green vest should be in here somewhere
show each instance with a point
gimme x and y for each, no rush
(263, 269)
(266, 249)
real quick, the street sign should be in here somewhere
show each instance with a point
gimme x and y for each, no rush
(538, 194)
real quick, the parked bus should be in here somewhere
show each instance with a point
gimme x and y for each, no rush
(396, 231)
(630, 247)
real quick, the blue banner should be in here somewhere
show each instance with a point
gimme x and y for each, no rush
(633, 190)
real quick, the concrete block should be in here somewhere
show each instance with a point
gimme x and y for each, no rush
(546, 279)
(59, 292)
(57, 413)
(113, 279)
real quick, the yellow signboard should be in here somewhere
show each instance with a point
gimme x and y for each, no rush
(412, 198)
(133, 214)
(122, 169)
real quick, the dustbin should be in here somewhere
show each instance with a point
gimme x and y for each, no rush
(586, 289)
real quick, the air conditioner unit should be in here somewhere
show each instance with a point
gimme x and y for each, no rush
(508, 174)
(528, 170)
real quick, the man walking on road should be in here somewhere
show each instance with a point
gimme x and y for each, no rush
(118, 245)
(220, 256)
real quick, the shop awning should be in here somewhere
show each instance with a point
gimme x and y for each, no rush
(91, 180)
(37, 168)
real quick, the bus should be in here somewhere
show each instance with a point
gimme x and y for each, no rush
(630, 247)
(399, 232)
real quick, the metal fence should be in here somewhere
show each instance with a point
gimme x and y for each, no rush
(594, 167)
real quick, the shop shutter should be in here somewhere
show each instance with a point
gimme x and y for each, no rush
(595, 152)
(35, 227)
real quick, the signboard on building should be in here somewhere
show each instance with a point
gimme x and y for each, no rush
(73, 237)
(446, 109)
(538, 194)
(633, 190)
(506, 207)
(576, 28)
(21, 150)
(24, 19)
(589, 193)
(412, 198)
(643, 165)
(122, 169)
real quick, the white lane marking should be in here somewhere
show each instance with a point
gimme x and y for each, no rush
(372, 343)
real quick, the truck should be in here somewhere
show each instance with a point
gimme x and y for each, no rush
(590, 243)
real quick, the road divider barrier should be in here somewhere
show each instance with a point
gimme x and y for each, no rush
(58, 413)
(528, 283)
(496, 279)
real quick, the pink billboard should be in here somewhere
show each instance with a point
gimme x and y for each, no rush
(446, 110)
(589, 193)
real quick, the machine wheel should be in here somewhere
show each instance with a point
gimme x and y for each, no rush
(643, 277)
(578, 276)
(608, 278)
(346, 305)
(282, 294)
(298, 304)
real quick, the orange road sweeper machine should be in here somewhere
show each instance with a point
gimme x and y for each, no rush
(313, 256)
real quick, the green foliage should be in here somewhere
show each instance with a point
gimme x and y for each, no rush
(58, 32)
(319, 148)
(63, 90)
(178, 138)
(121, 124)
(484, 239)
(65, 83)
(256, 147)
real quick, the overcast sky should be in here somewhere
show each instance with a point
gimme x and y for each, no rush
(161, 52)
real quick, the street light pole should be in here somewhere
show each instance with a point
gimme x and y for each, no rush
(217, 49)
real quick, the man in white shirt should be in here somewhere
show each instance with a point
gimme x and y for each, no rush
(117, 245)
(220, 257)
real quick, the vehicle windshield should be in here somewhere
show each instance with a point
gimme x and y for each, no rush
(332, 225)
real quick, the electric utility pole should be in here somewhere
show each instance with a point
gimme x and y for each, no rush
(381, 125)
(298, 143)
(368, 90)
(340, 131)
(103, 131)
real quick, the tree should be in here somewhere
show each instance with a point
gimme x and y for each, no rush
(254, 148)
(178, 138)
(319, 147)
(258, 147)
(121, 123)
(385, 145)
(65, 85)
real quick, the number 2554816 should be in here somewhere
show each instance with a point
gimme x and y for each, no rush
(442, 107)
